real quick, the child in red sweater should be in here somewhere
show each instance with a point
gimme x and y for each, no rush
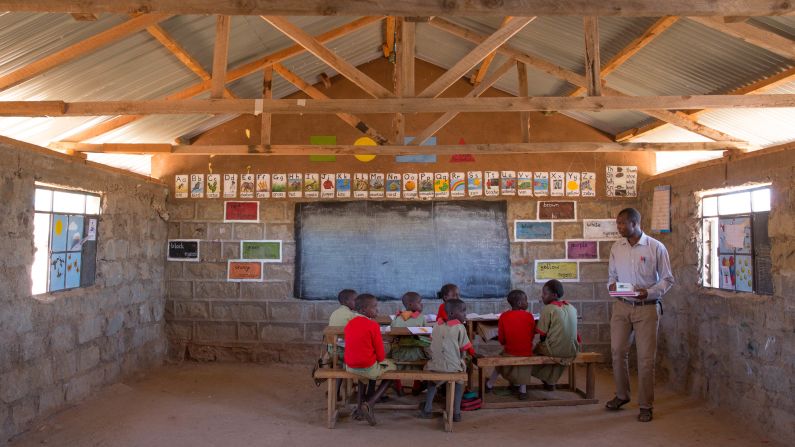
(364, 354)
(448, 292)
(516, 329)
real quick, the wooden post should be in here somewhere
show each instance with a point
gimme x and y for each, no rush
(332, 403)
(524, 117)
(593, 78)
(448, 422)
(590, 382)
(399, 120)
(220, 52)
(267, 93)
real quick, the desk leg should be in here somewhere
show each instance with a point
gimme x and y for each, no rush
(572, 378)
(331, 416)
(448, 417)
(590, 382)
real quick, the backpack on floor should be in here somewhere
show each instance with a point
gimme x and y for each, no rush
(470, 402)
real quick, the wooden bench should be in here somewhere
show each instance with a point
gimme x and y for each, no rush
(332, 375)
(589, 359)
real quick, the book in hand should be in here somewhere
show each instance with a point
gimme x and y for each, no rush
(624, 289)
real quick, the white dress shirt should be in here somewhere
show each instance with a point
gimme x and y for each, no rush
(645, 265)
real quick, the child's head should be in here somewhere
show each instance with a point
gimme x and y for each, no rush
(347, 297)
(517, 299)
(553, 290)
(448, 291)
(456, 309)
(412, 301)
(367, 305)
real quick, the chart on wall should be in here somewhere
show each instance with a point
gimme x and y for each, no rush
(734, 236)
(621, 181)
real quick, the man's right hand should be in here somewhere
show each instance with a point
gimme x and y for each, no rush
(612, 287)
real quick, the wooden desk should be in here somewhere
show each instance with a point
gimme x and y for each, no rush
(333, 333)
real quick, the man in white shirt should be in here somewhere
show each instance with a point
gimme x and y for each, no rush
(643, 262)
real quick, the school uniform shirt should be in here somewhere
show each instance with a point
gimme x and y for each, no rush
(363, 343)
(515, 331)
(341, 316)
(441, 314)
(408, 318)
(449, 342)
(558, 323)
(646, 265)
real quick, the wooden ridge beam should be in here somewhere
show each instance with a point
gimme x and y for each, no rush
(331, 59)
(79, 49)
(507, 148)
(474, 57)
(409, 8)
(751, 34)
(233, 75)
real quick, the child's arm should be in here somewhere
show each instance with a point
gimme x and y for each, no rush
(464, 342)
(378, 343)
(501, 330)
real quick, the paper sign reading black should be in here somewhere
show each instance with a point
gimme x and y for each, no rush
(183, 250)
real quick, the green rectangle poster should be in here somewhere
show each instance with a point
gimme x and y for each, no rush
(266, 251)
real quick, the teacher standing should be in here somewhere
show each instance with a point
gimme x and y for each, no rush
(643, 262)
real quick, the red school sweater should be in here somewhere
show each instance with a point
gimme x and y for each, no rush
(363, 343)
(516, 329)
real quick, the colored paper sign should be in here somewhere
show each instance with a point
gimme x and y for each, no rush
(279, 186)
(424, 158)
(312, 185)
(323, 140)
(365, 141)
(744, 274)
(458, 185)
(728, 272)
(213, 186)
(462, 158)
(377, 187)
(734, 235)
(265, 251)
(181, 186)
(92, 230)
(524, 183)
(241, 211)
(60, 225)
(196, 186)
(565, 271)
(239, 270)
(230, 186)
(184, 250)
(532, 230)
(72, 270)
(600, 229)
(57, 271)
(581, 249)
(322, 158)
(247, 186)
(557, 210)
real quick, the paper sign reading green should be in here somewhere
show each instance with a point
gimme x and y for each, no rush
(266, 251)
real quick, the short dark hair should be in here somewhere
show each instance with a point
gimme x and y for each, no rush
(363, 301)
(410, 297)
(445, 290)
(555, 286)
(454, 306)
(630, 213)
(515, 296)
(345, 294)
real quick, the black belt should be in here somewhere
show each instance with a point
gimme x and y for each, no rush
(637, 302)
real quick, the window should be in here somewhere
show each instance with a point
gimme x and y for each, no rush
(65, 236)
(735, 246)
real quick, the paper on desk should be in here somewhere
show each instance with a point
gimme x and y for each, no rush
(385, 329)
(430, 317)
(421, 330)
(474, 316)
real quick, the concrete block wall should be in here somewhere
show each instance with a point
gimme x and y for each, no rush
(57, 348)
(736, 350)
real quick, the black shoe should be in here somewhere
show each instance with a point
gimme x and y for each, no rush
(523, 396)
(457, 417)
(425, 414)
(549, 386)
(645, 415)
(369, 413)
(616, 403)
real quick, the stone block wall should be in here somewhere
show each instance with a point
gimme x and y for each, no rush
(57, 348)
(736, 350)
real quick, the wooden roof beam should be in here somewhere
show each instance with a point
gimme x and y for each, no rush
(751, 34)
(220, 56)
(593, 66)
(484, 66)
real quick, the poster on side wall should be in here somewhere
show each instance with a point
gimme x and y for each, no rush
(238, 211)
(508, 183)
(588, 184)
(240, 270)
(361, 185)
(72, 270)
(491, 179)
(247, 186)
(312, 185)
(327, 186)
(581, 249)
(410, 185)
(540, 184)
(441, 185)
(213, 186)
(425, 185)
(263, 186)
(230, 186)
(572, 184)
(728, 269)
(279, 186)
(458, 184)
(377, 185)
(196, 186)
(474, 183)
(557, 187)
(343, 184)
(621, 181)
(393, 185)
(524, 183)
(181, 186)
(744, 273)
(295, 184)
(600, 229)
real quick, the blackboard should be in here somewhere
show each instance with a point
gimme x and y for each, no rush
(388, 248)
(183, 250)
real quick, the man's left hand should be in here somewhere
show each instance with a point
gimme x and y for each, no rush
(642, 294)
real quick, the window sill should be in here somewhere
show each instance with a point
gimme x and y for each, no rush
(745, 296)
(49, 297)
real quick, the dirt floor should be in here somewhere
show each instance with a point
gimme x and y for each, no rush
(278, 405)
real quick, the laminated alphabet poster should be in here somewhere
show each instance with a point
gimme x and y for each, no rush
(524, 183)
(327, 186)
(492, 181)
(361, 185)
(475, 183)
(622, 181)
(458, 184)
(540, 184)
(295, 184)
(196, 186)
(377, 185)
(556, 183)
(213, 186)
(441, 185)
(312, 185)
(279, 186)
(230, 186)
(572, 184)
(410, 186)
(343, 184)
(588, 184)
(426, 185)
(181, 186)
(247, 186)
(508, 183)
(263, 186)
(392, 185)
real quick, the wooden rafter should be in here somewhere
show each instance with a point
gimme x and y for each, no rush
(593, 66)
(267, 93)
(220, 56)
(475, 56)
(79, 49)
(754, 35)
(569, 76)
(389, 36)
(484, 66)
(406, 8)
(633, 48)
(84, 17)
(757, 87)
(342, 66)
(524, 117)
(399, 120)
(313, 92)
(478, 90)
(508, 148)
(233, 75)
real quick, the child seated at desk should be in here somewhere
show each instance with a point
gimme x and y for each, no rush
(558, 329)
(449, 342)
(343, 314)
(516, 329)
(410, 349)
(448, 292)
(364, 355)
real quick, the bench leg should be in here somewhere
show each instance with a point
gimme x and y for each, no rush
(448, 417)
(572, 378)
(481, 383)
(590, 382)
(331, 411)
